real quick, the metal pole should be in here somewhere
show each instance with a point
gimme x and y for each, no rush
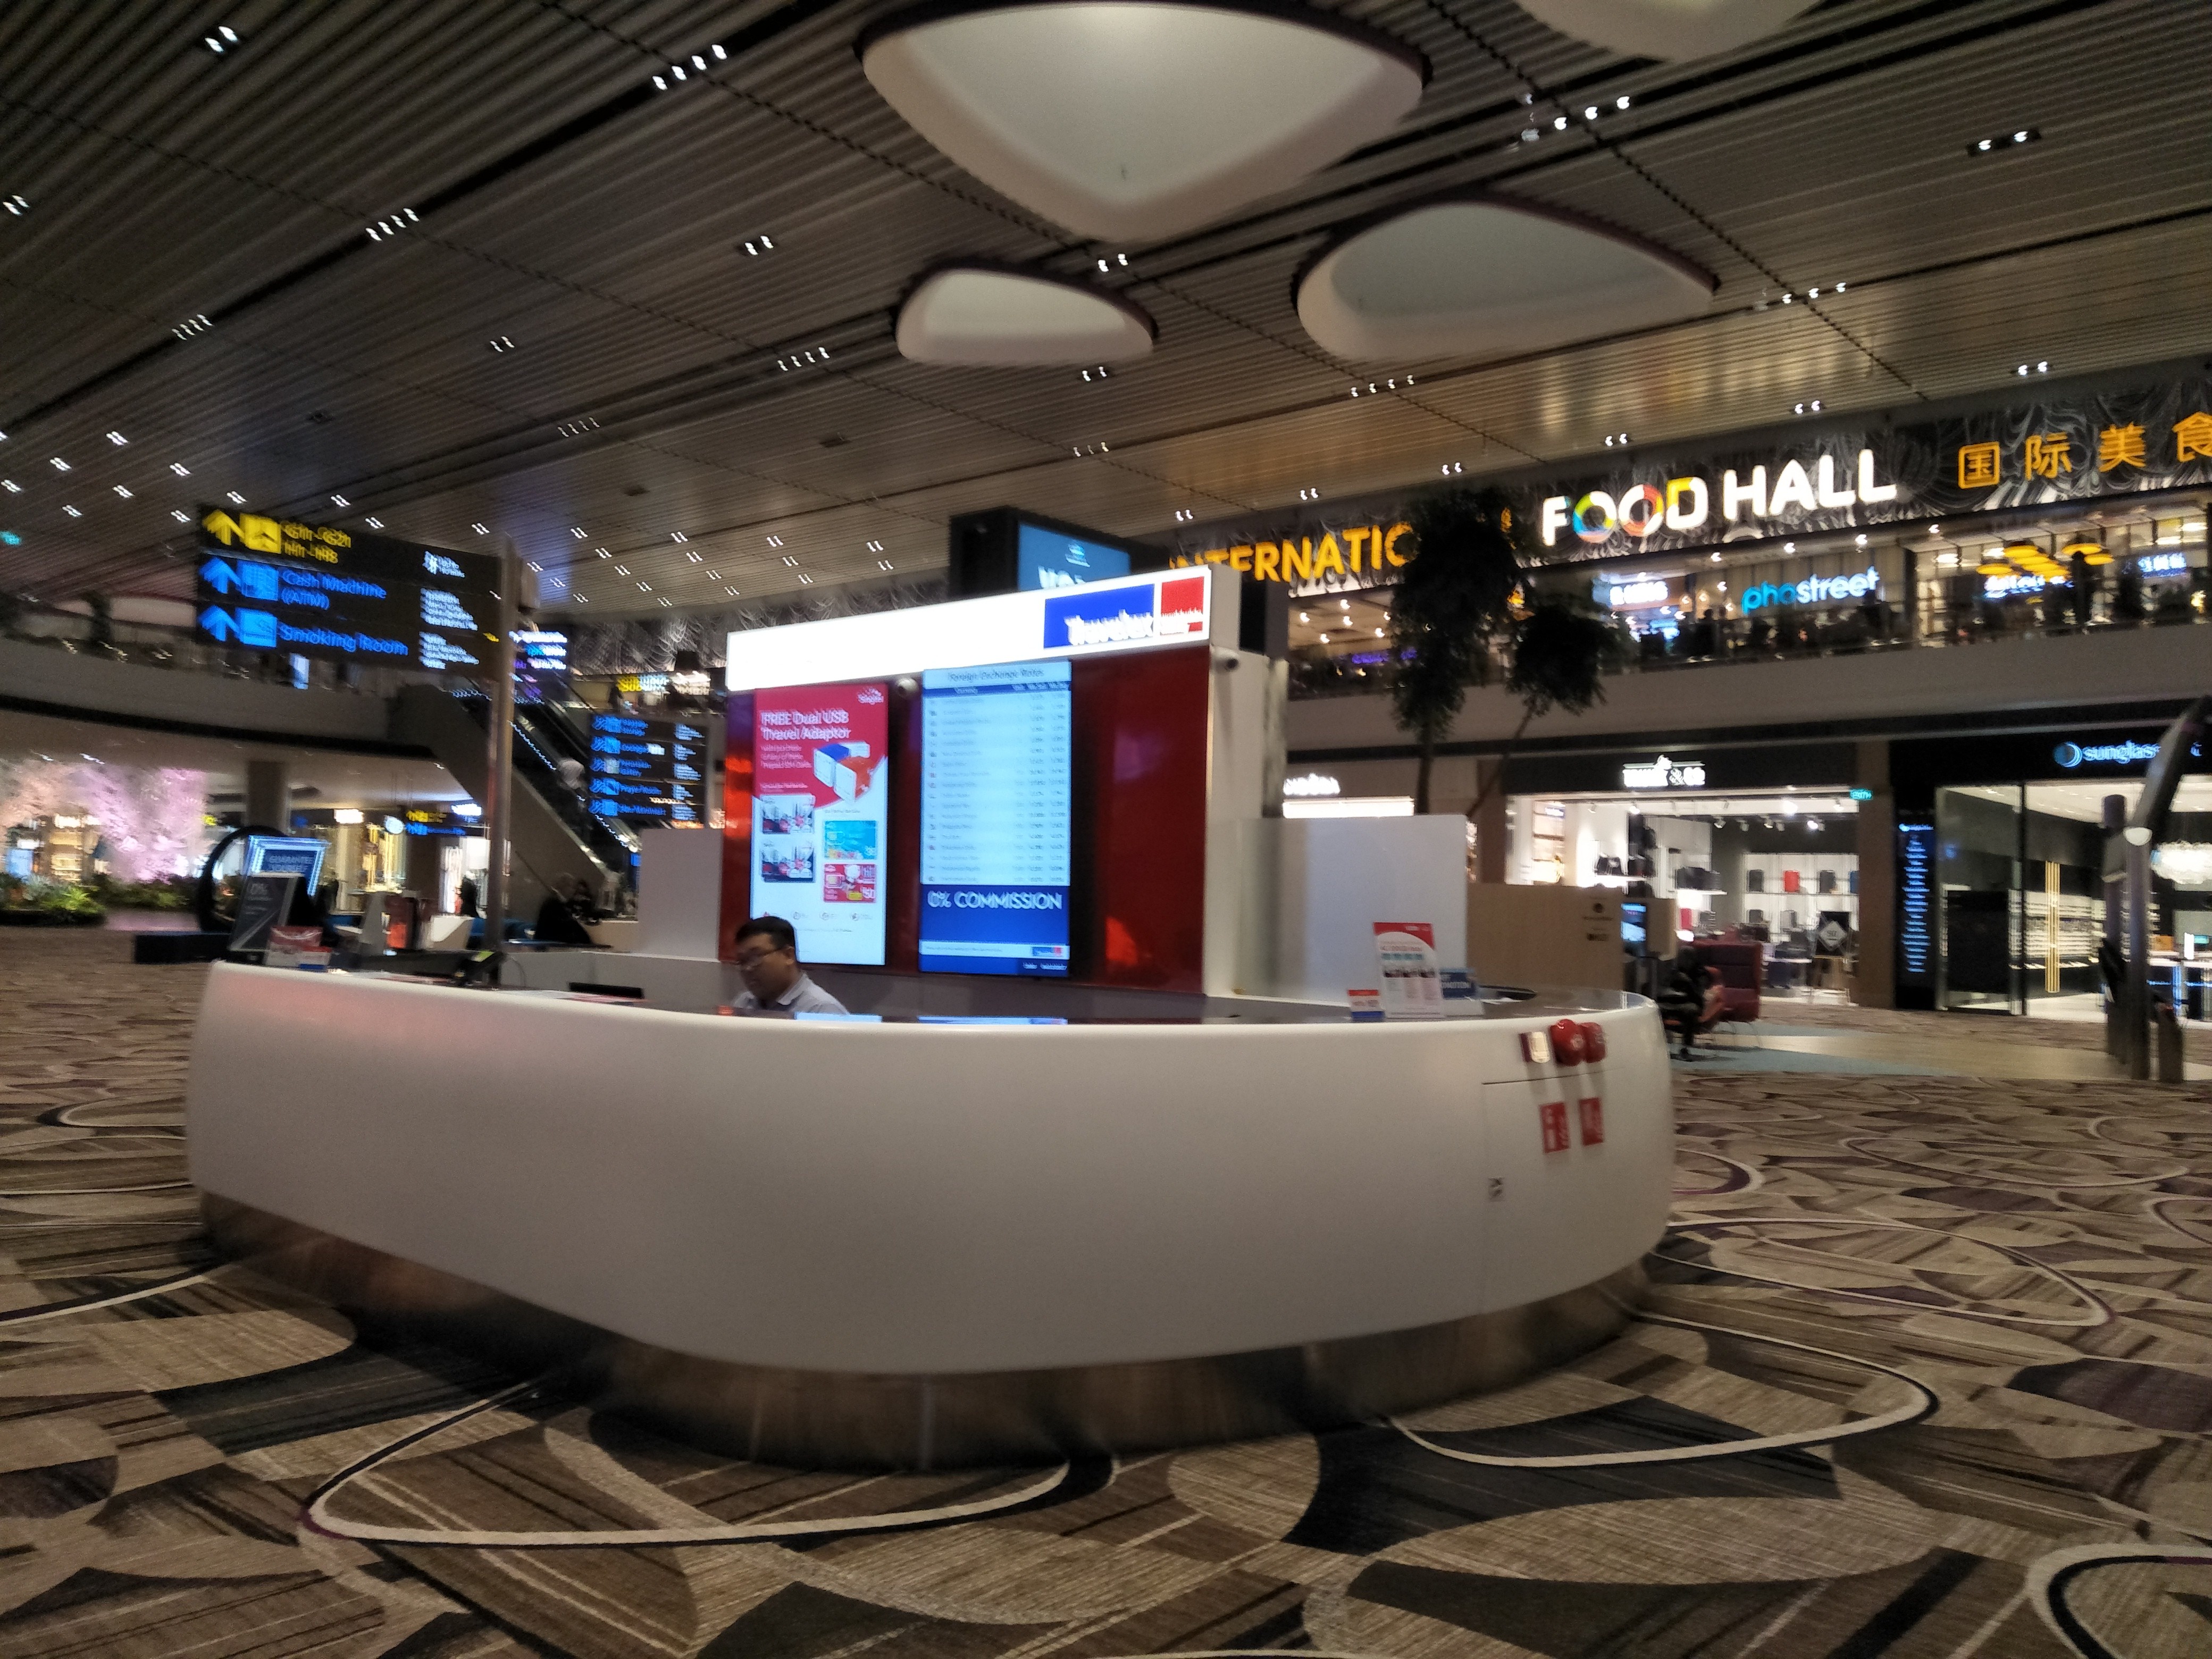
(499, 793)
(2136, 1035)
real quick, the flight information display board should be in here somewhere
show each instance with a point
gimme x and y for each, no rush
(822, 815)
(319, 591)
(1046, 558)
(995, 796)
(649, 771)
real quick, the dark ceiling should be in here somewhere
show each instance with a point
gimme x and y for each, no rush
(560, 202)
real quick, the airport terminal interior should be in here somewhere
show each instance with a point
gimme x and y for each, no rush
(1079, 829)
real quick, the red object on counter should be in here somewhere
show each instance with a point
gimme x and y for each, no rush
(1593, 1041)
(1567, 1042)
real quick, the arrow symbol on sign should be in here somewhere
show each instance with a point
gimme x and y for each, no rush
(218, 574)
(219, 622)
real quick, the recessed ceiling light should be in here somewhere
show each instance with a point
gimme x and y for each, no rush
(1621, 102)
(534, 565)
(11, 486)
(481, 530)
(116, 439)
(340, 500)
(678, 536)
(775, 541)
(668, 604)
(645, 587)
(61, 465)
(692, 553)
(757, 245)
(790, 560)
(603, 552)
(577, 531)
(122, 491)
(180, 515)
(72, 512)
(875, 547)
(622, 570)
(180, 469)
(503, 344)
(1559, 124)
(235, 498)
(2004, 143)
(375, 523)
(805, 581)
(16, 205)
(714, 575)
(883, 564)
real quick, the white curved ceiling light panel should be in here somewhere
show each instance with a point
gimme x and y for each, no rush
(1486, 276)
(984, 315)
(1673, 30)
(1133, 120)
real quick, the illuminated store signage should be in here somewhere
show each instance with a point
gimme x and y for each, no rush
(1686, 505)
(1813, 590)
(1664, 773)
(2071, 755)
(1313, 784)
(1633, 592)
(2163, 564)
(822, 816)
(1130, 613)
(1915, 936)
(2012, 584)
(1356, 556)
(319, 591)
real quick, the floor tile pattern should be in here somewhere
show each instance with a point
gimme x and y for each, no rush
(1926, 1372)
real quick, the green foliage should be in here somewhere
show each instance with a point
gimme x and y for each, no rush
(52, 903)
(174, 894)
(1562, 651)
(1453, 605)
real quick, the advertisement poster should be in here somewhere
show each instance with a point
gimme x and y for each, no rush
(1406, 955)
(822, 816)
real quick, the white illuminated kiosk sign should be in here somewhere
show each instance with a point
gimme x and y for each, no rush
(1129, 613)
(1664, 773)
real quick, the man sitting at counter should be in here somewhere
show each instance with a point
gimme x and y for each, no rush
(767, 961)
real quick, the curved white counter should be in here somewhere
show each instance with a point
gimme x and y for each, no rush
(781, 1204)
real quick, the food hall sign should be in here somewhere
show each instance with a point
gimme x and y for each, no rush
(318, 591)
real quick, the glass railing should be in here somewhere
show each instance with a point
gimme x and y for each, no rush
(1317, 672)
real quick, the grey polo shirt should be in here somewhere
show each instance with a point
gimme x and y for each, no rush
(804, 997)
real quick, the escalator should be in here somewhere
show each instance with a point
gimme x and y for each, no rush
(552, 834)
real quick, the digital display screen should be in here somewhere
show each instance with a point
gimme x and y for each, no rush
(1916, 899)
(319, 591)
(821, 791)
(1045, 558)
(995, 794)
(1635, 928)
(648, 770)
(287, 855)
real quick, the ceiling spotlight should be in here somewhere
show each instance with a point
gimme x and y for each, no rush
(180, 515)
(340, 500)
(883, 564)
(375, 523)
(1450, 469)
(805, 581)
(622, 570)
(577, 531)
(235, 498)
(1621, 102)
(16, 205)
(692, 553)
(534, 565)
(1324, 639)
(1813, 824)
(775, 541)
(603, 552)
(481, 530)
(875, 547)
(502, 344)
(72, 512)
(1559, 124)
(1591, 114)
(732, 591)
(1935, 529)
(645, 587)
(757, 245)
(791, 561)
(180, 469)
(1717, 559)
(668, 604)
(116, 439)
(11, 486)
(1184, 514)
(714, 575)
(2003, 142)
(1861, 540)
(61, 465)
(1788, 547)
(123, 492)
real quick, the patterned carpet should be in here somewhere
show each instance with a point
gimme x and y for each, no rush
(1927, 1373)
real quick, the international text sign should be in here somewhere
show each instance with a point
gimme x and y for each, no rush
(319, 591)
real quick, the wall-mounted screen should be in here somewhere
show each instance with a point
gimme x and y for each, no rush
(291, 855)
(1046, 558)
(995, 794)
(822, 817)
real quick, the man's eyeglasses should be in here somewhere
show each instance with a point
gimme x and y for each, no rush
(753, 959)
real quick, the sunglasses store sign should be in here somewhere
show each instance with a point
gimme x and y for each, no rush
(1664, 773)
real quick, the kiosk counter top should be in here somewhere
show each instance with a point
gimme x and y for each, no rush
(886, 1243)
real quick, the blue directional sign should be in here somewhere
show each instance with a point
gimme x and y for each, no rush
(644, 768)
(318, 591)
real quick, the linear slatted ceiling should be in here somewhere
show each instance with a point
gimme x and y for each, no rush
(167, 182)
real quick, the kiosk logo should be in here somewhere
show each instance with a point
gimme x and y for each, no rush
(1172, 608)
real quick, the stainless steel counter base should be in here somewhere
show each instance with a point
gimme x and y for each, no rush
(808, 1419)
